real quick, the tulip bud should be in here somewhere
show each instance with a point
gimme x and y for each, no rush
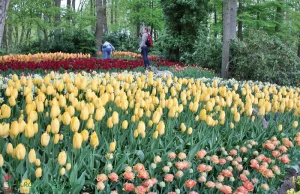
(29, 130)
(56, 139)
(190, 131)
(1, 161)
(66, 118)
(14, 129)
(5, 111)
(37, 162)
(115, 118)
(4, 132)
(155, 134)
(62, 171)
(45, 138)
(68, 166)
(124, 124)
(94, 140)
(75, 123)
(31, 156)
(38, 172)
(112, 146)
(84, 115)
(9, 149)
(62, 158)
(55, 126)
(77, 140)
(20, 151)
(85, 135)
(90, 123)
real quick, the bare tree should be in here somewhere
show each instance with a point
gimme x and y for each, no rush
(100, 23)
(233, 13)
(3, 13)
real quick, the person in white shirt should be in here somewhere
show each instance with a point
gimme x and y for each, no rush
(107, 48)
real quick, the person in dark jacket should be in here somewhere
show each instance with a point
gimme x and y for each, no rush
(144, 49)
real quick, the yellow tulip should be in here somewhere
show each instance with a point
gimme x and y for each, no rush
(94, 140)
(56, 139)
(12, 101)
(84, 115)
(100, 112)
(115, 118)
(45, 138)
(4, 132)
(62, 171)
(90, 123)
(77, 140)
(38, 172)
(37, 162)
(14, 129)
(9, 149)
(71, 110)
(135, 133)
(125, 124)
(25, 186)
(182, 127)
(295, 124)
(280, 127)
(5, 111)
(141, 127)
(231, 125)
(190, 131)
(55, 111)
(203, 115)
(161, 128)
(66, 118)
(1, 161)
(110, 122)
(155, 134)
(237, 117)
(156, 117)
(112, 146)
(31, 156)
(35, 128)
(40, 106)
(75, 123)
(85, 135)
(29, 130)
(20, 151)
(68, 166)
(150, 123)
(55, 126)
(62, 158)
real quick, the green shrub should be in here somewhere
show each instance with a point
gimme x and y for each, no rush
(78, 41)
(264, 58)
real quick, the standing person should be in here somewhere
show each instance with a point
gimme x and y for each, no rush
(107, 48)
(144, 48)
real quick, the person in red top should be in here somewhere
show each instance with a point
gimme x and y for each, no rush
(144, 49)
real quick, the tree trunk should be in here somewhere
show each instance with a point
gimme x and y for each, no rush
(116, 9)
(105, 16)
(3, 13)
(4, 39)
(92, 2)
(226, 38)
(57, 16)
(100, 23)
(73, 5)
(233, 13)
(68, 4)
(22, 35)
(28, 34)
(278, 16)
(16, 42)
(215, 20)
(112, 12)
(240, 23)
(9, 35)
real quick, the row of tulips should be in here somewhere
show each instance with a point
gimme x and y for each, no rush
(43, 57)
(125, 132)
(79, 64)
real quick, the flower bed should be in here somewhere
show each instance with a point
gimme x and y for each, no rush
(124, 54)
(43, 57)
(128, 132)
(79, 64)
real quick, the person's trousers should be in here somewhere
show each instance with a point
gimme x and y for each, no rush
(106, 52)
(145, 56)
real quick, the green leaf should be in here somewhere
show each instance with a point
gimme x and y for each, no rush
(141, 155)
(193, 151)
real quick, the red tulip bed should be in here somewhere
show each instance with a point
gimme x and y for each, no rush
(80, 64)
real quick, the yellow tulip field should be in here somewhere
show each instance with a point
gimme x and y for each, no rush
(132, 132)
